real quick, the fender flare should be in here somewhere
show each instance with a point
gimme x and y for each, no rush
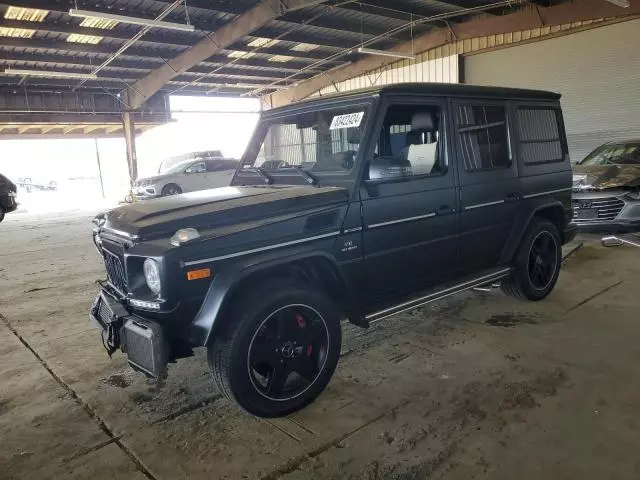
(520, 227)
(225, 285)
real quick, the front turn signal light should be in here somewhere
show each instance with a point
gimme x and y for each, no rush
(198, 274)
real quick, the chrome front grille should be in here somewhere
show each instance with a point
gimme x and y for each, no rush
(115, 270)
(607, 208)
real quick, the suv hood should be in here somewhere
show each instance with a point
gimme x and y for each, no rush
(603, 177)
(217, 208)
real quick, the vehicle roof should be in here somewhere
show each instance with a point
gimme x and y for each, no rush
(437, 89)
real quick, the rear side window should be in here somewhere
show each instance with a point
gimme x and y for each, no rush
(483, 136)
(539, 135)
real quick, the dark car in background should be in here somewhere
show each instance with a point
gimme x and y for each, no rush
(7, 196)
(606, 188)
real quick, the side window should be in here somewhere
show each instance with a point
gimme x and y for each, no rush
(410, 143)
(214, 165)
(483, 136)
(539, 135)
(229, 164)
(196, 168)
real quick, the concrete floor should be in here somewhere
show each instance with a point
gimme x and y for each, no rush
(480, 387)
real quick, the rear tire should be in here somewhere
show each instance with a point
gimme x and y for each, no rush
(171, 189)
(537, 262)
(277, 351)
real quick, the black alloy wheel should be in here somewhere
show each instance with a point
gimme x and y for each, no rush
(536, 265)
(287, 352)
(542, 260)
(278, 348)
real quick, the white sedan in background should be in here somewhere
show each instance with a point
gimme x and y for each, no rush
(189, 176)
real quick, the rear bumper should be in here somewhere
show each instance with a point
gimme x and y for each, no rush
(140, 339)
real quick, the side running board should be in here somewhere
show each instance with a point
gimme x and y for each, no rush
(439, 294)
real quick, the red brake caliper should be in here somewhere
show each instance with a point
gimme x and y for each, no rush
(302, 324)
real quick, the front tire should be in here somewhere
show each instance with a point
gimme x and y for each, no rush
(537, 262)
(171, 189)
(1, 213)
(278, 351)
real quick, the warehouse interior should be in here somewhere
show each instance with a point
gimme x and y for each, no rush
(472, 387)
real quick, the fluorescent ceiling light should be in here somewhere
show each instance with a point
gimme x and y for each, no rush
(146, 22)
(47, 73)
(239, 54)
(262, 42)
(79, 38)
(91, 22)
(26, 14)
(385, 53)
(280, 58)
(304, 47)
(16, 32)
(620, 3)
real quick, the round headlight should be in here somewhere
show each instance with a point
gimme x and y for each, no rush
(152, 275)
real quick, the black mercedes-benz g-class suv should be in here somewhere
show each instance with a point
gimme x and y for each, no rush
(357, 206)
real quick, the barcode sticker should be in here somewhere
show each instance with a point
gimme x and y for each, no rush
(349, 120)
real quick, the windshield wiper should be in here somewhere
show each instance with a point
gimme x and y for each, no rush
(260, 171)
(310, 179)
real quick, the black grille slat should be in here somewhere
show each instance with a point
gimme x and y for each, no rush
(115, 270)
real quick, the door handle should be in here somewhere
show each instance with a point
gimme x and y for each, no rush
(512, 197)
(444, 210)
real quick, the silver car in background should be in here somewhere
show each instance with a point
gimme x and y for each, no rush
(187, 176)
(606, 188)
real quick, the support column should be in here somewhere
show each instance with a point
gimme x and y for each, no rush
(95, 139)
(130, 141)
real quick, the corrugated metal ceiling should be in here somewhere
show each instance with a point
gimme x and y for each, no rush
(62, 42)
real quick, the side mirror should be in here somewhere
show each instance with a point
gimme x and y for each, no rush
(388, 168)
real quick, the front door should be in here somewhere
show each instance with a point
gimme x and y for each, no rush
(409, 201)
(490, 187)
(195, 177)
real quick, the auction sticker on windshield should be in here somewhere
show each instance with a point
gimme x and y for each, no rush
(349, 120)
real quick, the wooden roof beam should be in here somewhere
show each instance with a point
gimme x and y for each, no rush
(264, 12)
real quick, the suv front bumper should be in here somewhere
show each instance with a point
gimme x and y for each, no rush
(141, 339)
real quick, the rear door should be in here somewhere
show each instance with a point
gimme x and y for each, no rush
(409, 201)
(219, 173)
(490, 189)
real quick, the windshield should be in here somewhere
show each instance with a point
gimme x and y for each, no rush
(177, 168)
(614, 154)
(319, 141)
